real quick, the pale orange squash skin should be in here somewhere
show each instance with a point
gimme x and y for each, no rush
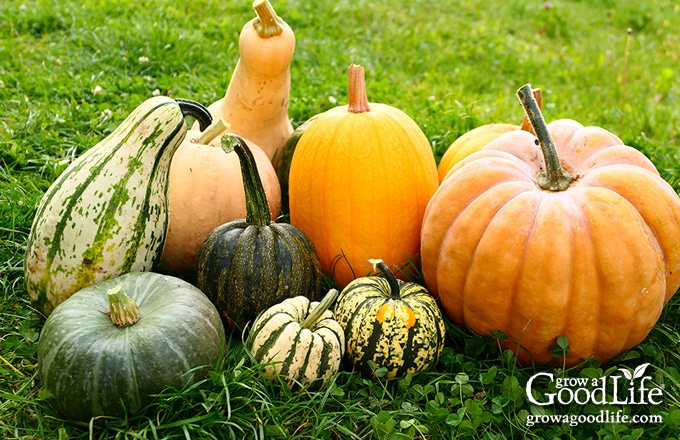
(359, 184)
(205, 191)
(595, 263)
(256, 101)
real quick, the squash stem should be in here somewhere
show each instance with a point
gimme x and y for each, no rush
(195, 110)
(123, 311)
(215, 129)
(358, 99)
(257, 206)
(387, 273)
(538, 96)
(320, 309)
(555, 178)
(267, 23)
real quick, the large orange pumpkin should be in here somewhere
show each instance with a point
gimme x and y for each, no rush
(360, 179)
(587, 246)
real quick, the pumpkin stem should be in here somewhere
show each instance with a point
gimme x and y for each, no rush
(555, 178)
(216, 128)
(257, 206)
(538, 96)
(123, 311)
(319, 310)
(267, 23)
(195, 110)
(387, 273)
(358, 99)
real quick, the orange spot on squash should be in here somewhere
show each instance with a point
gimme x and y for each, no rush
(410, 317)
(384, 312)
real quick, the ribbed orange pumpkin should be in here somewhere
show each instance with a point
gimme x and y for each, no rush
(205, 191)
(360, 179)
(475, 139)
(589, 250)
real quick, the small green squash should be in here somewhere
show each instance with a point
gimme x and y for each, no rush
(107, 213)
(111, 346)
(390, 323)
(300, 341)
(248, 265)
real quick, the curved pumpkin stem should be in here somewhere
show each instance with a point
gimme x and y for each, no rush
(257, 207)
(555, 178)
(356, 90)
(123, 311)
(267, 23)
(319, 310)
(195, 110)
(387, 273)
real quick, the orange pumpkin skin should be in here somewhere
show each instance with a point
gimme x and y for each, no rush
(470, 142)
(477, 138)
(205, 191)
(595, 263)
(358, 186)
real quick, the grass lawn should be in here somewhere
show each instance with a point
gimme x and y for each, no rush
(70, 71)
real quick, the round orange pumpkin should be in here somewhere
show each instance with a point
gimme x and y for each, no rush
(475, 139)
(584, 244)
(205, 191)
(359, 182)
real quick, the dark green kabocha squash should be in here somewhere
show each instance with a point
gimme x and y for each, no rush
(390, 324)
(246, 266)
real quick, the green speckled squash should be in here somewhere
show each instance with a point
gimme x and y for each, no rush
(246, 266)
(109, 347)
(394, 324)
(300, 341)
(107, 213)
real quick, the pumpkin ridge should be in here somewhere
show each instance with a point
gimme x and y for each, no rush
(520, 269)
(572, 295)
(547, 316)
(477, 201)
(508, 204)
(624, 333)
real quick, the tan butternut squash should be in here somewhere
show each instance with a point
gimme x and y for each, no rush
(256, 102)
(206, 190)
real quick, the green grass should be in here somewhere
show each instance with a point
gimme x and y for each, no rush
(70, 72)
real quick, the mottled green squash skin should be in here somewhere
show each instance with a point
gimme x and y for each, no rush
(391, 323)
(245, 269)
(246, 266)
(90, 366)
(107, 213)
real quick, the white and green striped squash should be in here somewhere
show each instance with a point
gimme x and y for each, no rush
(299, 341)
(108, 348)
(390, 324)
(107, 213)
